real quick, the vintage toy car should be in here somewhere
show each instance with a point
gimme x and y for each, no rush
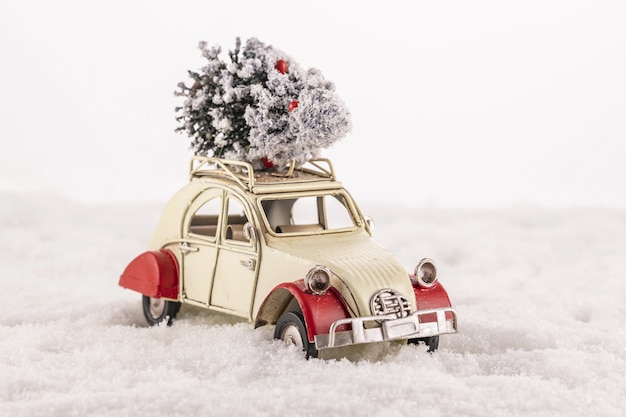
(290, 249)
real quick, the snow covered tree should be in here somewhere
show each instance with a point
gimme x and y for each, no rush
(260, 106)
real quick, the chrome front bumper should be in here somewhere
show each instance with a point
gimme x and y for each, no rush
(391, 328)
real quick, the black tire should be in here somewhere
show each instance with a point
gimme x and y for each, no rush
(432, 342)
(291, 330)
(158, 310)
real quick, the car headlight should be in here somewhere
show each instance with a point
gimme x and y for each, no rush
(317, 280)
(426, 273)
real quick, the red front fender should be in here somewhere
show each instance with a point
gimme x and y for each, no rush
(429, 298)
(319, 311)
(153, 273)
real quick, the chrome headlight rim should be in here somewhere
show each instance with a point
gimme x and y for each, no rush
(317, 280)
(426, 273)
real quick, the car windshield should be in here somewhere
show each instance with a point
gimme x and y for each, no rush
(308, 214)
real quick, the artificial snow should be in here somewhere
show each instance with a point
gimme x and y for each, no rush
(540, 296)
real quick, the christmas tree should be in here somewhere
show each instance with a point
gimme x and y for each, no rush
(259, 106)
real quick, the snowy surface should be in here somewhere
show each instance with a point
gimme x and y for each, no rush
(540, 296)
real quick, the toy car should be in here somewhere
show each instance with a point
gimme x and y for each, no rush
(290, 249)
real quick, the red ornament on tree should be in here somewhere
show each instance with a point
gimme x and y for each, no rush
(267, 163)
(293, 105)
(281, 66)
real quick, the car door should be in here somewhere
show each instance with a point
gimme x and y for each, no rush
(237, 262)
(199, 245)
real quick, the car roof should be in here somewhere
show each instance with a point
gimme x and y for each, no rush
(316, 174)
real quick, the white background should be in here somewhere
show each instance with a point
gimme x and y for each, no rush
(479, 104)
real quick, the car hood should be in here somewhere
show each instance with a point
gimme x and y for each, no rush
(362, 267)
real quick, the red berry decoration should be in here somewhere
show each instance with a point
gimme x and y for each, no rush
(281, 66)
(267, 163)
(293, 105)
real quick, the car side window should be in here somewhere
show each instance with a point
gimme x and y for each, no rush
(205, 219)
(235, 220)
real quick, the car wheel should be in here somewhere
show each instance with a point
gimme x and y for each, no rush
(291, 330)
(158, 310)
(432, 342)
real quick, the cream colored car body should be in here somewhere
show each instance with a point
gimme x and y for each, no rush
(360, 265)
(244, 240)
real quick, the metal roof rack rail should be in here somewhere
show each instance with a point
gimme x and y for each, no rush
(243, 172)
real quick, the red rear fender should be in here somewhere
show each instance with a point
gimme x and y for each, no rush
(153, 273)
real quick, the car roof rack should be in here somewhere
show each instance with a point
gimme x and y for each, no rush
(243, 173)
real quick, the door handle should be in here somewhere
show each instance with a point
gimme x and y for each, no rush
(250, 264)
(184, 248)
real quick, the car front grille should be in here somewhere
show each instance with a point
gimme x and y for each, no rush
(388, 301)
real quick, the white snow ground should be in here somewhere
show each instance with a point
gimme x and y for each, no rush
(540, 295)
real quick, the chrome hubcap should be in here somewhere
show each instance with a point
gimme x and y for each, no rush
(291, 336)
(157, 306)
